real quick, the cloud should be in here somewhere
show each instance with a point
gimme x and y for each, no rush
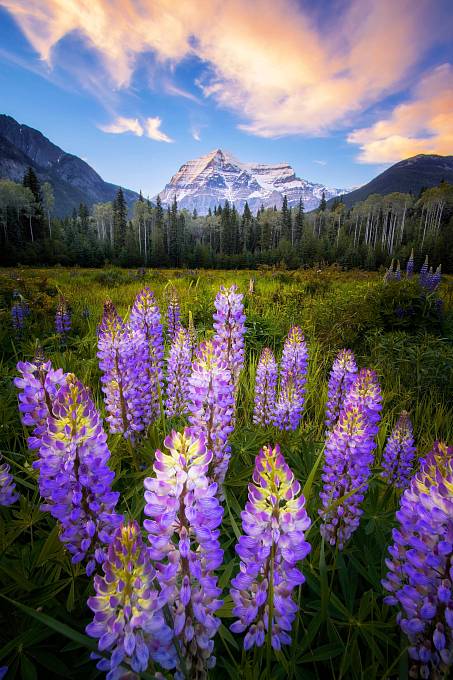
(320, 162)
(120, 125)
(153, 131)
(196, 134)
(424, 124)
(281, 71)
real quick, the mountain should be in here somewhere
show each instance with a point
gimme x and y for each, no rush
(408, 176)
(212, 179)
(73, 180)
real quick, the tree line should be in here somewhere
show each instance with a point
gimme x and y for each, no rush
(149, 234)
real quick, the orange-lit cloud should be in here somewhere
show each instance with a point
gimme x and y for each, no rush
(267, 60)
(422, 125)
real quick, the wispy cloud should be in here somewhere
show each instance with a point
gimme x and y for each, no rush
(422, 125)
(320, 162)
(150, 127)
(266, 60)
(153, 131)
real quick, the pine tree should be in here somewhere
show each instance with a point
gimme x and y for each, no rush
(323, 203)
(247, 229)
(298, 224)
(227, 237)
(286, 220)
(173, 249)
(119, 222)
(31, 181)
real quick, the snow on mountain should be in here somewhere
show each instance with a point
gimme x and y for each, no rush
(210, 180)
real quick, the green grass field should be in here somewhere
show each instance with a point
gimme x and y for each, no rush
(343, 629)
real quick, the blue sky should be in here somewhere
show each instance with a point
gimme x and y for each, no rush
(340, 94)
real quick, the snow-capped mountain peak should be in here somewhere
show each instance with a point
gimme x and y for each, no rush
(217, 176)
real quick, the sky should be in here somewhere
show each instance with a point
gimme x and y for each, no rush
(340, 89)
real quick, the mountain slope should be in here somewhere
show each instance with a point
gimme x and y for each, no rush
(210, 180)
(73, 180)
(408, 176)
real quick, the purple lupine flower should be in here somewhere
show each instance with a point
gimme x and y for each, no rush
(435, 281)
(342, 376)
(183, 530)
(265, 388)
(18, 316)
(423, 275)
(74, 478)
(8, 495)
(192, 334)
(293, 377)
(399, 453)
(173, 316)
(38, 385)
(389, 274)
(410, 265)
(274, 522)
(145, 317)
(211, 405)
(397, 275)
(420, 573)
(229, 326)
(347, 469)
(128, 618)
(123, 359)
(62, 318)
(179, 367)
(365, 391)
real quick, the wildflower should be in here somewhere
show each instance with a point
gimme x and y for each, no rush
(347, 468)
(274, 523)
(211, 404)
(192, 335)
(229, 326)
(8, 495)
(399, 453)
(183, 531)
(342, 376)
(410, 265)
(293, 376)
(128, 619)
(123, 359)
(365, 391)
(74, 477)
(389, 274)
(420, 574)
(173, 316)
(38, 385)
(423, 275)
(145, 317)
(19, 312)
(178, 373)
(397, 275)
(265, 388)
(62, 318)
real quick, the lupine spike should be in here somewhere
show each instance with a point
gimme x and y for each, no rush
(365, 391)
(342, 377)
(347, 469)
(192, 334)
(8, 495)
(410, 265)
(229, 326)
(399, 453)
(275, 522)
(123, 359)
(423, 275)
(74, 477)
(211, 405)
(293, 377)
(38, 385)
(179, 367)
(128, 618)
(145, 317)
(183, 530)
(420, 573)
(173, 316)
(265, 388)
(397, 276)
(62, 318)
(19, 312)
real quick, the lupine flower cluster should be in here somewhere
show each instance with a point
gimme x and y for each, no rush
(39, 384)
(123, 359)
(173, 316)
(410, 266)
(183, 530)
(365, 391)
(293, 377)
(399, 453)
(62, 318)
(265, 388)
(432, 279)
(229, 326)
(211, 403)
(145, 318)
(420, 566)
(342, 376)
(8, 495)
(423, 274)
(179, 366)
(347, 468)
(19, 312)
(128, 618)
(192, 331)
(274, 522)
(74, 477)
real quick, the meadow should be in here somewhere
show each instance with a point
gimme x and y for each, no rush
(342, 628)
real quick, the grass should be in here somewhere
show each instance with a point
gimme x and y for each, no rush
(343, 630)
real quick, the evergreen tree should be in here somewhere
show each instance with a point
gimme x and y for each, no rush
(286, 220)
(298, 224)
(323, 202)
(227, 236)
(173, 245)
(31, 181)
(119, 222)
